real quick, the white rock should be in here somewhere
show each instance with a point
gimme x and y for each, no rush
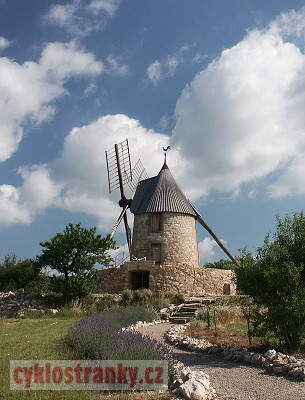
(270, 354)
(193, 389)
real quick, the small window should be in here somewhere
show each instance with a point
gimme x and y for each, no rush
(155, 222)
(139, 280)
(156, 252)
(226, 289)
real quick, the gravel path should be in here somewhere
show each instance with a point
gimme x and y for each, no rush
(234, 381)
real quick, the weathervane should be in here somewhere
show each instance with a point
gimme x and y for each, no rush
(165, 150)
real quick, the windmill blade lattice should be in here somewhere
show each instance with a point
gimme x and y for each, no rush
(138, 174)
(119, 173)
(118, 165)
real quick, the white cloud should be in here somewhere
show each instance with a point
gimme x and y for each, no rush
(154, 72)
(242, 118)
(108, 6)
(82, 165)
(199, 58)
(40, 83)
(62, 15)
(4, 43)
(120, 255)
(208, 249)
(292, 180)
(11, 211)
(60, 61)
(79, 18)
(77, 181)
(38, 191)
(159, 70)
(117, 68)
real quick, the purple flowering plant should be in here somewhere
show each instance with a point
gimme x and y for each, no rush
(100, 336)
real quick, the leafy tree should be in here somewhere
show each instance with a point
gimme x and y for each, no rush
(221, 264)
(74, 254)
(275, 279)
(17, 274)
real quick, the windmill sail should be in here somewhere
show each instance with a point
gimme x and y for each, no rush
(120, 174)
(214, 236)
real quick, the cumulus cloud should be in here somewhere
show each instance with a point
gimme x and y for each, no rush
(40, 83)
(292, 180)
(242, 118)
(11, 211)
(208, 249)
(77, 180)
(38, 191)
(80, 18)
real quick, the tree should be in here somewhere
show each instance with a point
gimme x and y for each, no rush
(17, 274)
(275, 279)
(74, 254)
(221, 264)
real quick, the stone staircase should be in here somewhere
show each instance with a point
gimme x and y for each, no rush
(188, 310)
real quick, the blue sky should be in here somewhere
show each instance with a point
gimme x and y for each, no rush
(222, 82)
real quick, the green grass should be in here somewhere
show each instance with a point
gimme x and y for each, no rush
(240, 326)
(42, 338)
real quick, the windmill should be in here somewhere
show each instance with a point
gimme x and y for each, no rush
(119, 174)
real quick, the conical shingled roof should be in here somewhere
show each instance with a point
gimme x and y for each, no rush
(160, 194)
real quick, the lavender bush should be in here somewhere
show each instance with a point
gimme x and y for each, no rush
(100, 336)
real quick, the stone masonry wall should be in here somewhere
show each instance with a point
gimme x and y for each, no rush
(168, 278)
(177, 237)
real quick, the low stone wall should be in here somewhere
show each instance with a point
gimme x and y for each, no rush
(272, 360)
(168, 278)
(183, 381)
(20, 303)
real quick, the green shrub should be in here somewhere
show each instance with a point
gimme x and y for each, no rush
(142, 296)
(275, 279)
(127, 297)
(106, 301)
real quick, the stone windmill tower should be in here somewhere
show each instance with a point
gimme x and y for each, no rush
(164, 245)
(164, 222)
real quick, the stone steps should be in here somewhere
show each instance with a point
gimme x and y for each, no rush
(179, 320)
(187, 311)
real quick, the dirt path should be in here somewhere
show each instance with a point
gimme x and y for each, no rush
(234, 381)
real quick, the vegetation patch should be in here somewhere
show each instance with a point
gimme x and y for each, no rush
(100, 336)
(275, 279)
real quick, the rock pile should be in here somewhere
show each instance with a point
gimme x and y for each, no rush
(192, 385)
(18, 304)
(272, 360)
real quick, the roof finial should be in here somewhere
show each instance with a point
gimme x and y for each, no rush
(165, 150)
